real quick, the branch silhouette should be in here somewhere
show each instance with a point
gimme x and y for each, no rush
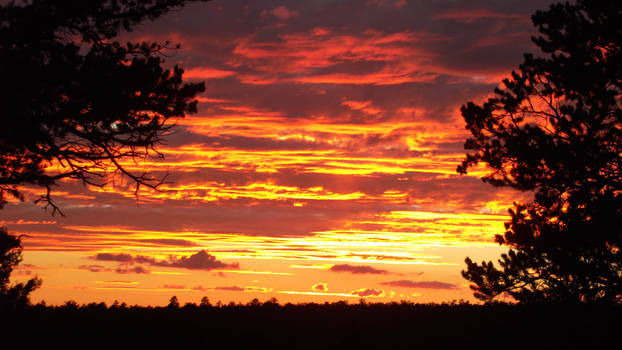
(75, 102)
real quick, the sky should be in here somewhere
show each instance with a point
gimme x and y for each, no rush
(321, 165)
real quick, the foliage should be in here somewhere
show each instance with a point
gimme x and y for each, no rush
(78, 102)
(556, 129)
(12, 296)
(75, 103)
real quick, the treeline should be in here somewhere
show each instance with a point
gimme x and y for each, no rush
(397, 325)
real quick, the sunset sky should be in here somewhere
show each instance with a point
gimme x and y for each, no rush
(321, 165)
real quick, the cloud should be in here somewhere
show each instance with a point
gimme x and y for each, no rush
(400, 3)
(283, 12)
(206, 73)
(174, 286)
(122, 269)
(255, 289)
(422, 284)
(368, 292)
(118, 282)
(230, 288)
(170, 242)
(362, 103)
(125, 258)
(137, 269)
(470, 16)
(93, 268)
(201, 260)
(320, 287)
(355, 269)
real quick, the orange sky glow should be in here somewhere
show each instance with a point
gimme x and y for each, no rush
(321, 165)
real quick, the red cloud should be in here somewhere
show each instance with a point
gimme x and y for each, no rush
(283, 13)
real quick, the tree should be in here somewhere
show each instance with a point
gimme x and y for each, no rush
(17, 295)
(555, 128)
(76, 101)
(173, 303)
(205, 302)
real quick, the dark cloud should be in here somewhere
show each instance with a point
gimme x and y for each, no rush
(137, 269)
(327, 37)
(355, 269)
(320, 287)
(122, 269)
(124, 258)
(201, 260)
(141, 259)
(422, 284)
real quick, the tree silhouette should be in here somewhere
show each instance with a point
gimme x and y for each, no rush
(17, 295)
(76, 101)
(556, 129)
(205, 302)
(173, 302)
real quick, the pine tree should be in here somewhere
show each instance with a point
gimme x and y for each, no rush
(555, 128)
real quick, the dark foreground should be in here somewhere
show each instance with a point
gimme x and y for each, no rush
(316, 326)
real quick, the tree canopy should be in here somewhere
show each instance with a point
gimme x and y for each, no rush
(16, 295)
(74, 101)
(555, 128)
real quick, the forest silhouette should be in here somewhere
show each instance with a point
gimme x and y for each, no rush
(393, 325)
